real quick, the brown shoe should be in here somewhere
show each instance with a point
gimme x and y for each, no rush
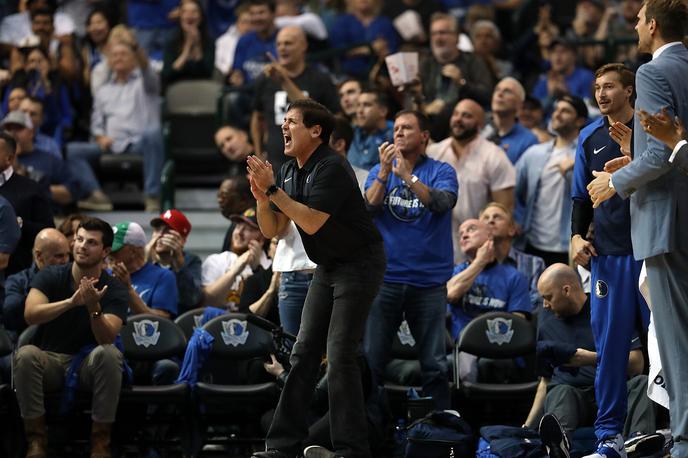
(35, 437)
(100, 440)
(97, 201)
(152, 204)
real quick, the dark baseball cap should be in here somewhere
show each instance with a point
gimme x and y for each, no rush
(249, 217)
(577, 103)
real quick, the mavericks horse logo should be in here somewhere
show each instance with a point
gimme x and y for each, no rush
(499, 331)
(234, 332)
(146, 333)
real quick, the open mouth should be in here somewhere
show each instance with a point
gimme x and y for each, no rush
(287, 140)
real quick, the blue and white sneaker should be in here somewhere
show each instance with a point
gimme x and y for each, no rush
(553, 437)
(611, 447)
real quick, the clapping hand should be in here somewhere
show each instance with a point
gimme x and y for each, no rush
(662, 127)
(121, 273)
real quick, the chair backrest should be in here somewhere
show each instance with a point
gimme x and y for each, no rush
(239, 336)
(404, 345)
(5, 343)
(190, 320)
(193, 97)
(498, 335)
(26, 337)
(149, 337)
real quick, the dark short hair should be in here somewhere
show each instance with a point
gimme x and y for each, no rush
(42, 12)
(99, 10)
(315, 114)
(423, 121)
(269, 3)
(380, 97)
(97, 224)
(10, 142)
(351, 80)
(342, 131)
(671, 17)
(626, 75)
(34, 99)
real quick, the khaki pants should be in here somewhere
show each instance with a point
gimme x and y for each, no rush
(37, 371)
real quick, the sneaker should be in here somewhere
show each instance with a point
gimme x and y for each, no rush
(644, 445)
(553, 437)
(271, 454)
(316, 451)
(611, 447)
(97, 201)
(152, 204)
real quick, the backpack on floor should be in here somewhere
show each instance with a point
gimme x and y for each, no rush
(440, 434)
(509, 442)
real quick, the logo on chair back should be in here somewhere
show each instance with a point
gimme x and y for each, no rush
(234, 332)
(198, 321)
(405, 336)
(499, 331)
(146, 333)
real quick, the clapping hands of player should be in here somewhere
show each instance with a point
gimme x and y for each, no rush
(662, 127)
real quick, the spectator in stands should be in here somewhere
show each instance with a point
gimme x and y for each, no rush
(341, 138)
(291, 13)
(411, 18)
(34, 108)
(234, 198)
(502, 227)
(14, 97)
(224, 274)
(487, 41)
(566, 360)
(543, 185)
(166, 249)
(531, 115)
(9, 237)
(125, 118)
(79, 310)
(359, 30)
(50, 248)
(449, 75)
(504, 129)
(16, 27)
(30, 204)
(411, 197)
(484, 171)
(93, 50)
(43, 165)
(68, 229)
(372, 129)
(190, 53)
(62, 53)
(564, 76)
(482, 284)
(348, 91)
(234, 144)
(250, 56)
(622, 20)
(226, 44)
(150, 21)
(287, 79)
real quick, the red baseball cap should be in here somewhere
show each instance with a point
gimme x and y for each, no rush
(175, 220)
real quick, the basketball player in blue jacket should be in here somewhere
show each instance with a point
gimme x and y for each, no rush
(617, 308)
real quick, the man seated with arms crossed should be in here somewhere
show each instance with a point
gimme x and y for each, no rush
(76, 306)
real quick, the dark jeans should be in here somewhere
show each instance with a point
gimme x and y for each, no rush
(292, 295)
(424, 309)
(333, 319)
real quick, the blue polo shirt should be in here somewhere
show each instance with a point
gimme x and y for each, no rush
(250, 56)
(613, 218)
(418, 242)
(347, 30)
(157, 287)
(498, 288)
(516, 141)
(363, 151)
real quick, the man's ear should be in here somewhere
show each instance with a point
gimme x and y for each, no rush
(315, 131)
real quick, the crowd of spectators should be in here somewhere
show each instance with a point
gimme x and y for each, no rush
(468, 169)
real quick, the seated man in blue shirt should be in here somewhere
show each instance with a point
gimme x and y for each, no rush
(372, 129)
(33, 106)
(566, 358)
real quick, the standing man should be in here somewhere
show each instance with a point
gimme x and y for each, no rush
(617, 308)
(318, 191)
(411, 197)
(79, 309)
(543, 185)
(659, 218)
(372, 129)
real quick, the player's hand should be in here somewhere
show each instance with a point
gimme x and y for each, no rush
(582, 250)
(662, 127)
(622, 135)
(599, 189)
(615, 164)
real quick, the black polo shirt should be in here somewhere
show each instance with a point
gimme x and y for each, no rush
(327, 183)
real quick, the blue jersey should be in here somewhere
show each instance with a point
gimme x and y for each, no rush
(157, 287)
(613, 218)
(251, 55)
(363, 151)
(498, 288)
(418, 242)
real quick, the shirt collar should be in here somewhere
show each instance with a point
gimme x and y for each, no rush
(133, 75)
(658, 52)
(7, 174)
(319, 153)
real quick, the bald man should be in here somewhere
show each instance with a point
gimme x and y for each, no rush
(484, 171)
(285, 79)
(566, 360)
(50, 248)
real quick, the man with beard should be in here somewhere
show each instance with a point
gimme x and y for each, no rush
(616, 307)
(223, 274)
(543, 185)
(484, 171)
(79, 310)
(411, 197)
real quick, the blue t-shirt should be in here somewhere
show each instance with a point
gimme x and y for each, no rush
(498, 288)
(613, 218)
(157, 287)
(144, 14)
(516, 141)
(47, 144)
(363, 150)
(54, 169)
(347, 31)
(579, 83)
(250, 56)
(418, 242)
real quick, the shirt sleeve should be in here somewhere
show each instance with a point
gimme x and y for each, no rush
(211, 269)
(16, 290)
(166, 296)
(116, 300)
(501, 172)
(45, 281)
(519, 298)
(371, 176)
